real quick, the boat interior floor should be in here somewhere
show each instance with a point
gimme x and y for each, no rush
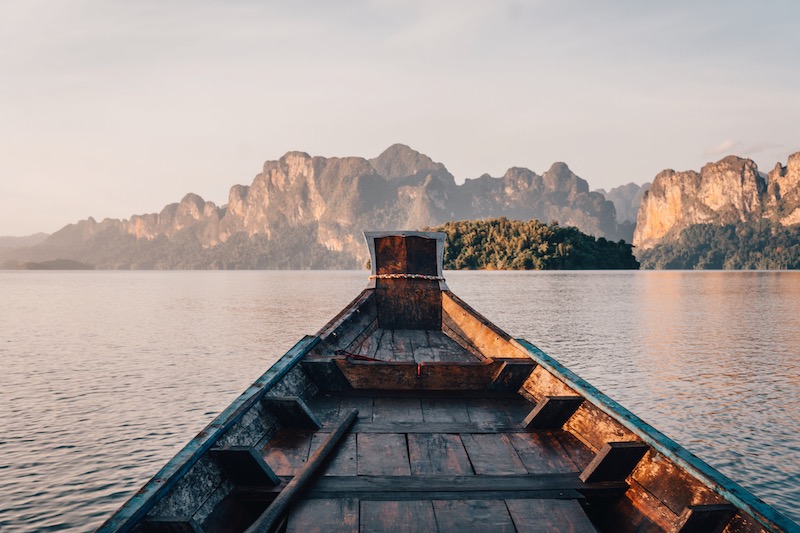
(433, 461)
(411, 346)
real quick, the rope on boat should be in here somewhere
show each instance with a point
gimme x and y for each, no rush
(406, 276)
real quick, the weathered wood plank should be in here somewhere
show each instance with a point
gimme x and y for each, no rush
(244, 465)
(482, 333)
(325, 406)
(552, 412)
(447, 349)
(451, 487)
(414, 376)
(596, 428)
(402, 345)
(368, 346)
(343, 460)
(516, 407)
(615, 461)
(473, 515)
(435, 427)
(382, 454)
(487, 410)
(453, 331)
(549, 515)
(492, 454)
(274, 514)
(326, 374)
(292, 412)
(338, 515)
(288, 451)
(364, 404)
(437, 454)
(386, 351)
(580, 454)
(397, 410)
(512, 374)
(397, 516)
(541, 453)
(444, 410)
(704, 519)
(672, 485)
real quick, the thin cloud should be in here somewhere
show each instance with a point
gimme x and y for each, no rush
(732, 147)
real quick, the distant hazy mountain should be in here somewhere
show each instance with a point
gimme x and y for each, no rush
(309, 212)
(626, 199)
(20, 242)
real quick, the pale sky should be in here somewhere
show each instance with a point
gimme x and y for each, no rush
(110, 108)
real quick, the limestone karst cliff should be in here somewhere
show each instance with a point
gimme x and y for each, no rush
(729, 191)
(308, 212)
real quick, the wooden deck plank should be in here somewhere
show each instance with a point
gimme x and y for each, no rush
(338, 515)
(287, 451)
(397, 516)
(487, 410)
(344, 459)
(516, 408)
(385, 351)
(549, 515)
(397, 410)
(448, 349)
(580, 454)
(420, 347)
(473, 515)
(369, 346)
(444, 410)
(326, 407)
(434, 427)
(541, 453)
(402, 345)
(382, 454)
(436, 454)
(364, 404)
(448, 487)
(492, 454)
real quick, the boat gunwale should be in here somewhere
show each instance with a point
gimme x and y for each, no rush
(766, 515)
(158, 486)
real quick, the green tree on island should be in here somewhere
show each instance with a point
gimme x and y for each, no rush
(502, 244)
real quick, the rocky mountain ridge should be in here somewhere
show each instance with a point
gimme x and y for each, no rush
(729, 191)
(308, 212)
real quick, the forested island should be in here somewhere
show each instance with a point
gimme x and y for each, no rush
(503, 244)
(760, 245)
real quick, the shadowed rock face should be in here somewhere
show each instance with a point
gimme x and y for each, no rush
(730, 190)
(300, 202)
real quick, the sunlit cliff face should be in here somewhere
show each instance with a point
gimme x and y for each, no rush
(727, 191)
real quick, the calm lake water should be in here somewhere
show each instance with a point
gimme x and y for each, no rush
(106, 375)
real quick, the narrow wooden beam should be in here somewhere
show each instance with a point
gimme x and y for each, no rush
(512, 374)
(712, 518)
(170, 524)
(270, 517)
(552, 412)
(615, 461)
(245, 466)
(292, 412)
(447, 487)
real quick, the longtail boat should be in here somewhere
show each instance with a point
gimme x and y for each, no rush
(409, 411)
